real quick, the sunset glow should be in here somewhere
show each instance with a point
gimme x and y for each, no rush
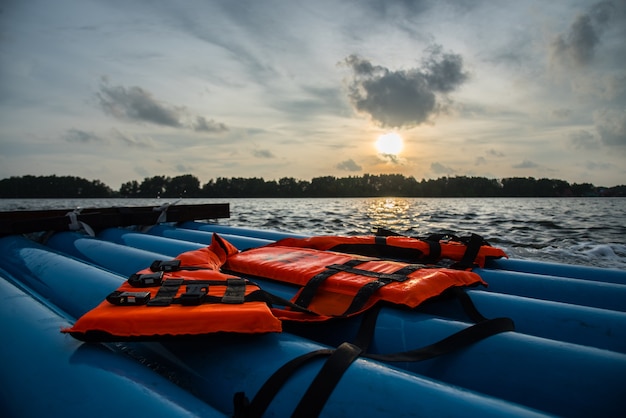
(389, 144)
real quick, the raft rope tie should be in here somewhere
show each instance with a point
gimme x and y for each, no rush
(76, 225)
(163, 209)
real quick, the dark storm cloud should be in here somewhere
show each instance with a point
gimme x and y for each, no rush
(137, 104)
(579, 43)
(349, 165)
(404, 98)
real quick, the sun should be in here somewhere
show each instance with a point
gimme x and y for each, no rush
(389, 144)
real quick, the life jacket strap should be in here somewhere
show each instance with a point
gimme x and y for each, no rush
(318, 392)
(364, 294)
(167, 292)
(469, 257)
(340, 359)
(367, 291)
(461, 339)
(310, 289)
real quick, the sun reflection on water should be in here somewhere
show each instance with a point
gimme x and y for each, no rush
(396, 214)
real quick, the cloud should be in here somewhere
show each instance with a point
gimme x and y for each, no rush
(138, 105)
(203, 125)
(404, 98)
(183, 168)
(132, 140)
(480, 161)
(526, 164)
(583, 140)
(439, 168)
(83, 137)
(611, 125)
(443, 71)
(578, 45)
(391, 159)
(593, 166)
(495, 153)
(262, 153)
(349, 165)
(561, 113)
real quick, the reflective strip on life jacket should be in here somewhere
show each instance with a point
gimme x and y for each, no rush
(186, 297)
(337, 284)
(466, 252)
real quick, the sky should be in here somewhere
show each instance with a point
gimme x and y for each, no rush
(121, 90)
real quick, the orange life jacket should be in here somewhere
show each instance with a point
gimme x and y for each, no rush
(337, 284)
(186, 296)
(466, 252)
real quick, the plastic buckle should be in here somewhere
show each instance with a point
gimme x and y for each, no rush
(128, 298)
(167, 266)
(194, 295)
(146, 280)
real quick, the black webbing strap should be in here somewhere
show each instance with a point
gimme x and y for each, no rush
(169, 266)
(314, 399)
(466, 303)
(366, 291)
(364, 294)
(197, 292)
(382, 232)
(235, 291)
(380, 249)
(454, 342)
(271, 299)
(265, 395)
(434, 250)
(482, 329)
(310, 289)
(471, 252)
(167, 292)
(326, 380)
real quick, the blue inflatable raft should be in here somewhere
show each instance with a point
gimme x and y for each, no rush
(566, 357)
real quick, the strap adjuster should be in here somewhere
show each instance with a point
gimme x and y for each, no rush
(128, 298)
(194, 295)
(146, 280)
(166, 266)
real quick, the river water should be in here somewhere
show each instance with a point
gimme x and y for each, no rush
(589, 231)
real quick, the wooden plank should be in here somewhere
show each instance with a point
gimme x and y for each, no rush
(22, 222)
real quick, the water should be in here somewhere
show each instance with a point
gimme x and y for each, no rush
(589, 231)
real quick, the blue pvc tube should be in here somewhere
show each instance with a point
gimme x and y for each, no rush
(559, 289)
(487, 366)
(203, 237)
(48, 374)
(218, 367)
(562, 270)
(246, 232)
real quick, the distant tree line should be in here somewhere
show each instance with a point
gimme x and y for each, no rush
(368, 185)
